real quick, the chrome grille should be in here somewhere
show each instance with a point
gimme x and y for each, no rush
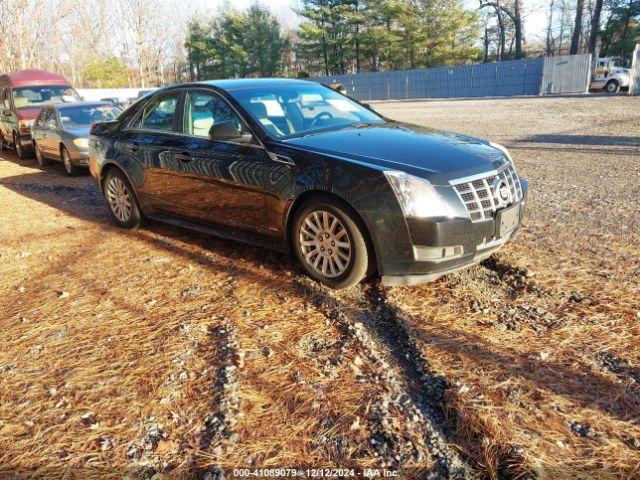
(479, 198)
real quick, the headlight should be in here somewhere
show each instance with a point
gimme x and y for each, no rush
(25, 125)
(81, 142)
(502, 149)
(417, 197)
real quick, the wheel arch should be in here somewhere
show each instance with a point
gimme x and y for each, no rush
(308, 195)
(106, 168)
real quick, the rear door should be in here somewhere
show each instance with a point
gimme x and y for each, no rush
(228, 176)
(150, 141)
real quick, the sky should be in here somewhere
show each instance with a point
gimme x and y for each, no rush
(535, 17)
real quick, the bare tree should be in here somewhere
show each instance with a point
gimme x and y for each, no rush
(515, 15)
(550, 40)
(577, 28)
(595, 27)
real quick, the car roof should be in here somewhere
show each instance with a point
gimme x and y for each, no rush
(26, 78)
(62, 106)
(235, 84)
(241, 83)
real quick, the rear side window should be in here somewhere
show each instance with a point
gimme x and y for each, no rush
(47, 118)
(41, 118)
(158, 114)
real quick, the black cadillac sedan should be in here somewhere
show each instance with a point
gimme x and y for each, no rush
(294, 165)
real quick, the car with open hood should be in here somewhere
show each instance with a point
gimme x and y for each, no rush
(22, 95)
(296, 166)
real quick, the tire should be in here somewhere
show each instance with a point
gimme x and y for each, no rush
(612, 86)
(338, 256)
(71, 169)
(117, 189)
(21, 152)
(42, 160)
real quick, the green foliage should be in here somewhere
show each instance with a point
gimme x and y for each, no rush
(236, 44)
(336, 36)
(105, 72)
(622, 30)
(386, 34)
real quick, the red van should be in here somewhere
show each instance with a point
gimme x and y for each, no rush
(22, 95)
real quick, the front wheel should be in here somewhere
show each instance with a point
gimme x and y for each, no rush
(612, 87)
(121, 200)
(330, 244)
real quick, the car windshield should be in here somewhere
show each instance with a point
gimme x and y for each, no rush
(287, 111)
(43, 95)
(83, 115)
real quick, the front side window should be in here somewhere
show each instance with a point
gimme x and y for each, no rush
(25, 97)
(209, 116)
(84, 115)
(287, 111)
(158, 114)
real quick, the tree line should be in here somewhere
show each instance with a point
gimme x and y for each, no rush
(144, 43)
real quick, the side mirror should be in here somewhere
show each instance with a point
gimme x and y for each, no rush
(225, 131)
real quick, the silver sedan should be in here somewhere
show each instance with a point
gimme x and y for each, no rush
(61, 132)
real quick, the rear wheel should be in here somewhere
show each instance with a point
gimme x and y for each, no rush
(612, 86)
(121, 200)
(42, 160)
(330, 244)
(69, 167)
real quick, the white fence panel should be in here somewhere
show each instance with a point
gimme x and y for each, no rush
(634, 87)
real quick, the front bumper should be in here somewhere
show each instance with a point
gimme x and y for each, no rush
(441, 246)
(26, 141)
(79, 156)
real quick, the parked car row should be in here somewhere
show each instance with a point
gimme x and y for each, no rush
(290, 164)
(42, 114)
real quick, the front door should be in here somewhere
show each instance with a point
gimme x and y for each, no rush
(228, 176)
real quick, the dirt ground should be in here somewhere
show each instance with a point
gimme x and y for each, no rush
(169, 353)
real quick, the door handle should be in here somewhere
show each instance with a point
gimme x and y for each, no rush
(184, 156)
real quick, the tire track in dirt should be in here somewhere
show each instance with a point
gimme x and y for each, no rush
(219, 426)
(415, 394)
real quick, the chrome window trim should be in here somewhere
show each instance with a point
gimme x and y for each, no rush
(184, 90)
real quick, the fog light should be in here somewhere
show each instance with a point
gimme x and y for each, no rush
(437, 254)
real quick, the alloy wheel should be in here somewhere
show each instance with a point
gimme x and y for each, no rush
(119, 199)
(325, 243)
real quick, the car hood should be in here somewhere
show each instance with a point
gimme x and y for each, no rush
(79, 132)
(29, 113)
(437, 155)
